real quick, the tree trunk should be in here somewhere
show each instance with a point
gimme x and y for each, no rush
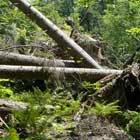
(53, 31)
(7, 106)
(56, 73)
(7, 58)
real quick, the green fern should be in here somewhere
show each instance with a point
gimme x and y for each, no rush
(5, 92)
(12, 135)
(105, 110)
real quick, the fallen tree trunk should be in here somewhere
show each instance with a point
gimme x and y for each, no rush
(7, 106)
(56, 73)
(7, 58)
(53, 31)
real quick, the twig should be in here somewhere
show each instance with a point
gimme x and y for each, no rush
(85, 14)
(4, 123)
(17, 46)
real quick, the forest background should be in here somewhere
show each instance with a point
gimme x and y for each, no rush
(54, 109)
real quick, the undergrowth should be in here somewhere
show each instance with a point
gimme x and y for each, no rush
(53, 113)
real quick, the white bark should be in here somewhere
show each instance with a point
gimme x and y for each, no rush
(36, 72)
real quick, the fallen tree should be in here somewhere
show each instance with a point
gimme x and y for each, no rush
(7, 58)
(53, 31)
(7, 106)
(56, 73)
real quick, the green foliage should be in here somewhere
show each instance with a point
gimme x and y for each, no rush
(133, 31)
(130, 121)
(16, 28)
(13, 23)
(121, 44)
(105, 110)
(124, 15)
(116, 23)
(65, 7)
(133, 124)
(12, 135)
(92, 86)
(84, 3)
(133, 127)
(120, 33)
(90, 89)
(47, 112)
(5, 92)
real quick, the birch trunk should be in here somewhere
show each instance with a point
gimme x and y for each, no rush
(53, 31)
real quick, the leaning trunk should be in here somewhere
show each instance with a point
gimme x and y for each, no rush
(53, 31)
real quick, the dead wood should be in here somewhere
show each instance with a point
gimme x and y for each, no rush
(53, 31)
(56, 73)
(7, 58)
(7, 106)
(125, 88)
(131, 58)
(92, 46)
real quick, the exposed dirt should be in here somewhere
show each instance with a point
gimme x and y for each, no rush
(96, 128)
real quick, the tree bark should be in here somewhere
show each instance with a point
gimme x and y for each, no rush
(56, 73)
(7, 58)
(53, 31)
(9, 105)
